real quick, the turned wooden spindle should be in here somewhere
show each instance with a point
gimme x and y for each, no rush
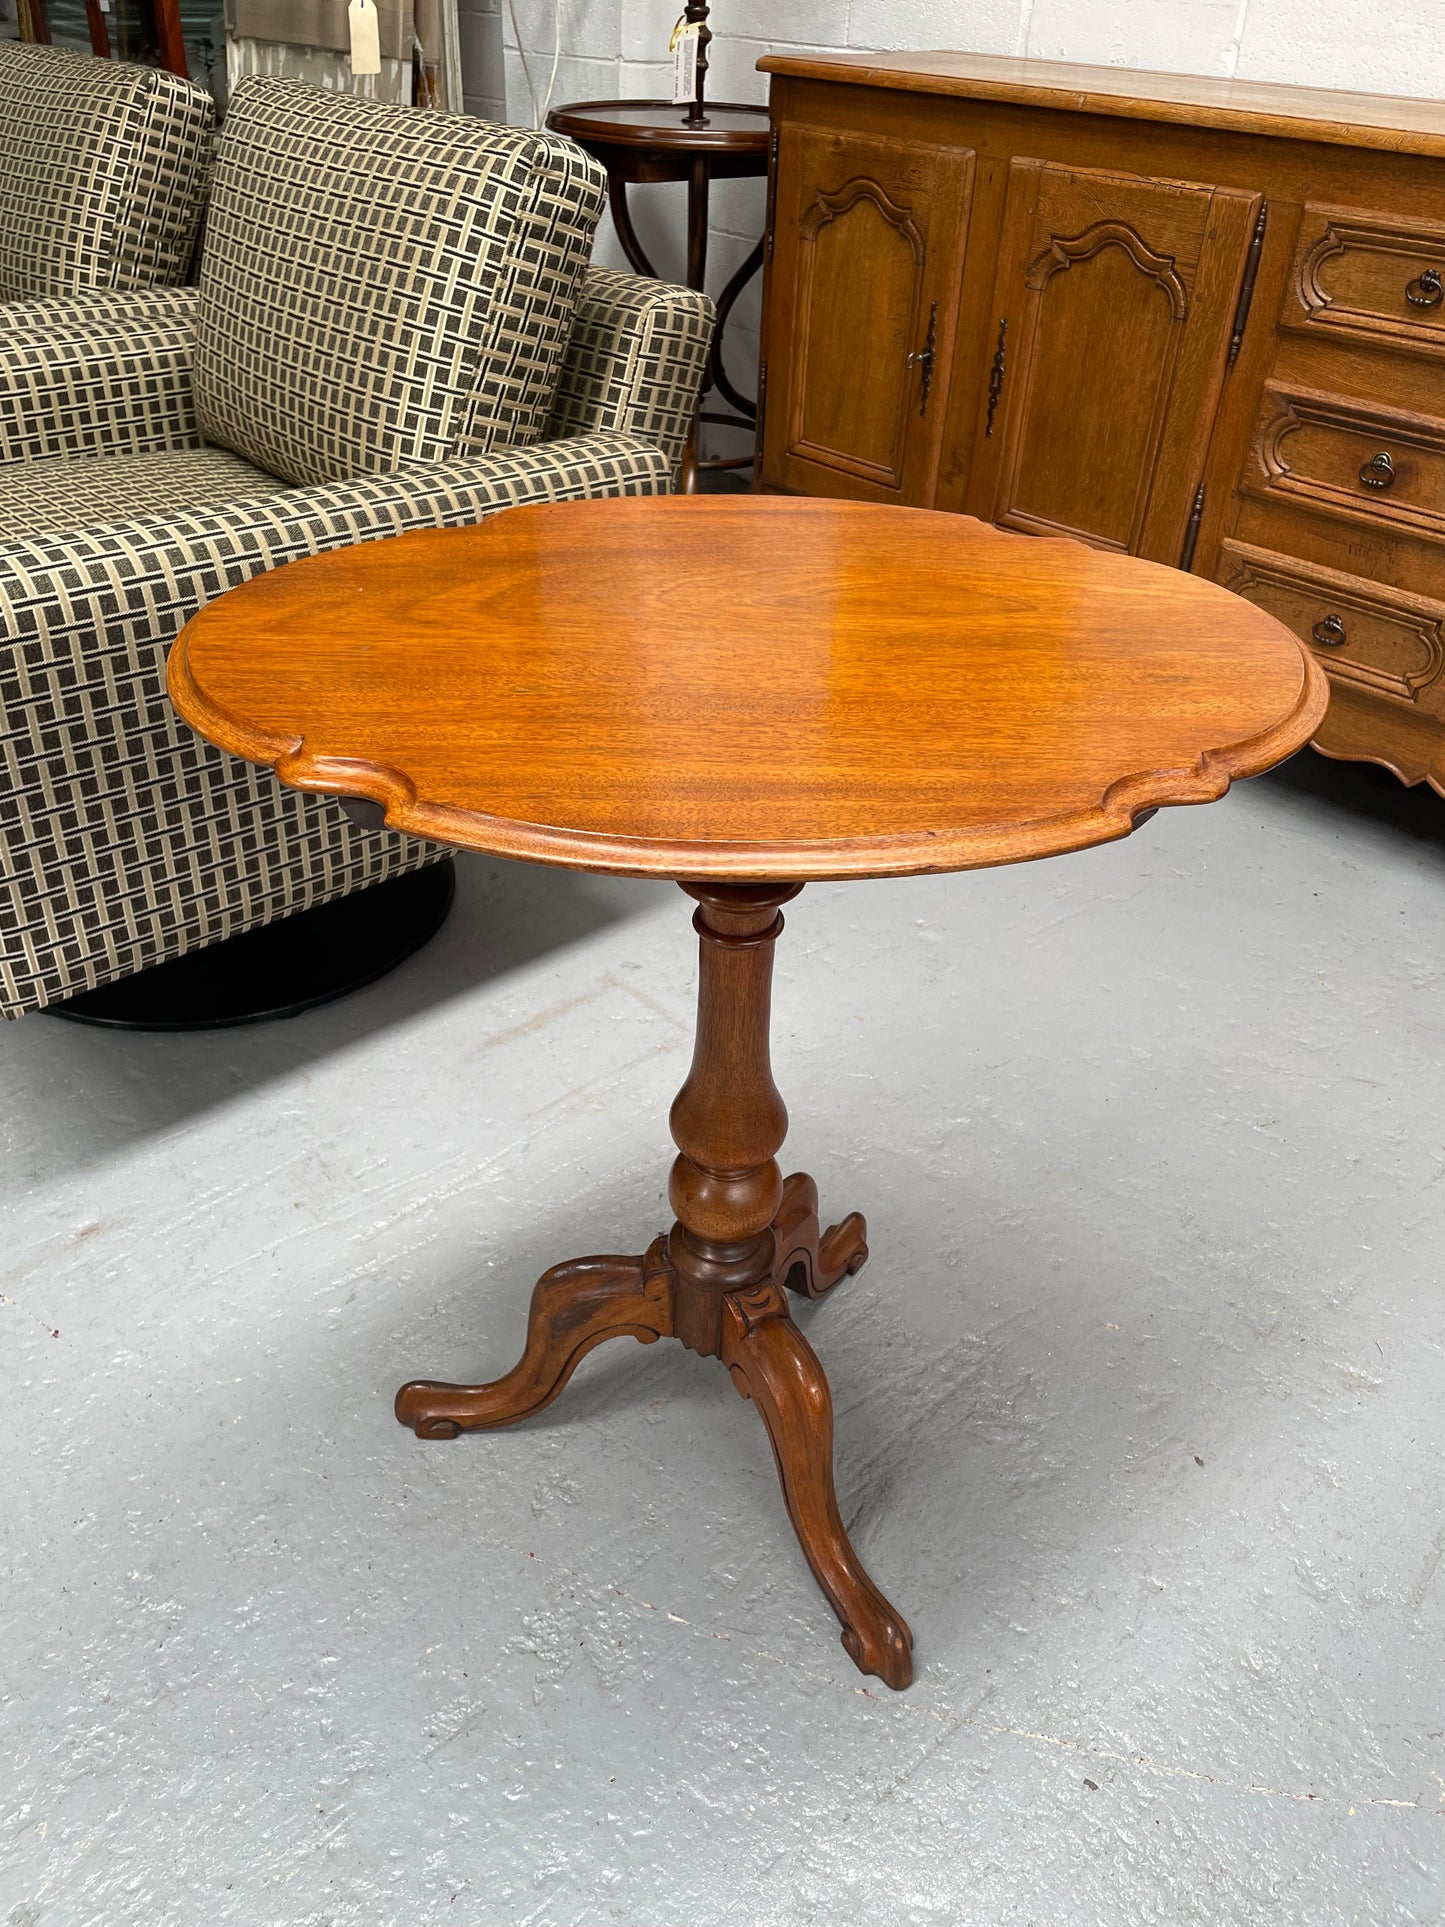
(728, 1120)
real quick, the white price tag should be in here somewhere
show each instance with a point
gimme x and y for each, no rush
(363, 23)
(684, 66)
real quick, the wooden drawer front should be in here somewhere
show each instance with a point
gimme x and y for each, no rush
(1370, 278)
(1380, 639)
(1346, 457)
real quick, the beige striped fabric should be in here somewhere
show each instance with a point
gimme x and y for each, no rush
(124, 838)
(632, 362)
(102, 374)
(39, 497)
(381, 286)
(102, 173)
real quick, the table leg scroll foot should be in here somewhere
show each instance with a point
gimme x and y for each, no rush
(811, 1260)
(774, 1365)
(574, 1307)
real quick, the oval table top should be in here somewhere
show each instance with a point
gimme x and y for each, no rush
(747, 686)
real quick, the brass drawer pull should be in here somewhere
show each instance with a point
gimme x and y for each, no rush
(1426, 290)
(1329, 632)
(1378, 472)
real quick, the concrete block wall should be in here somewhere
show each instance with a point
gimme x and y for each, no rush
(615, 48)
(483, 69)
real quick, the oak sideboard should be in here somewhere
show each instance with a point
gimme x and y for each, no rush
(1197, 320)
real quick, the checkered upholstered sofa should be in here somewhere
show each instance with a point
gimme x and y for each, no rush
(103, 172)
(395, 328)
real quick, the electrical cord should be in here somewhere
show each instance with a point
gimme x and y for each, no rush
(556, 57)
(539, 115)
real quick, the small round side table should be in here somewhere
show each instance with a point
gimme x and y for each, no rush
(651, 140)
(862, 691)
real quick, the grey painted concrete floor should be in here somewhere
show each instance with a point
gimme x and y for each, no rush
(1140, 1404)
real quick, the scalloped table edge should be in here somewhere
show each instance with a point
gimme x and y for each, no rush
(907, 853)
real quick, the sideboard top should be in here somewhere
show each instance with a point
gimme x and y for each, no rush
(1396, 123)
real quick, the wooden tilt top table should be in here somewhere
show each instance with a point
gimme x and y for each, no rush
(869, 692)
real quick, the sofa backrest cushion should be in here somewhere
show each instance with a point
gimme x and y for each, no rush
(381, 285)
(103, 172)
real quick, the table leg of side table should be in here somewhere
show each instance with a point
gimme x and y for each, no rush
(716, 1281)
(697, 204)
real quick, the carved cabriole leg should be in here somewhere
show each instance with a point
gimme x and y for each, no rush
(809, 1260)
(716, 1281)
(728, 1119)
(574, 1307)
(775, 1366)
(740, 1229)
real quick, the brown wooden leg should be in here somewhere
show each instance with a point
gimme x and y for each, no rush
(809, 1260)
(574, 1307)
(626, 232)
(697, 231)
(740, 1230)
(716, 1281)
(775, 1366)
(688, 483)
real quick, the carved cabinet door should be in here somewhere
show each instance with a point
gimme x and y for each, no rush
(1114, 308)
(863, 293)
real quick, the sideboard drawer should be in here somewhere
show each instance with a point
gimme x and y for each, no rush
(1347, 457)
(1369, 278)
(1381, 639)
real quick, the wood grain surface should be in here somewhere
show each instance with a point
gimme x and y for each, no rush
(1157, 313)
(747, 687)
(732, 126)
(1396, 123)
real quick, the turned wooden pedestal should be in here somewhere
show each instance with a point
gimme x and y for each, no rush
(740, 694)
(717, 1280)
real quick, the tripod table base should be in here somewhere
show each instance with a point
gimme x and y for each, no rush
(717, 1281)
(578, 1305)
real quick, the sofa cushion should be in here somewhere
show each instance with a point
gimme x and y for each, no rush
(62, 495)
(381, 286)
(102, 173)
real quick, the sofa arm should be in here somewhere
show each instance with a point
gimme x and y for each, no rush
(636, 360)
(99, 374)
(125, 838)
